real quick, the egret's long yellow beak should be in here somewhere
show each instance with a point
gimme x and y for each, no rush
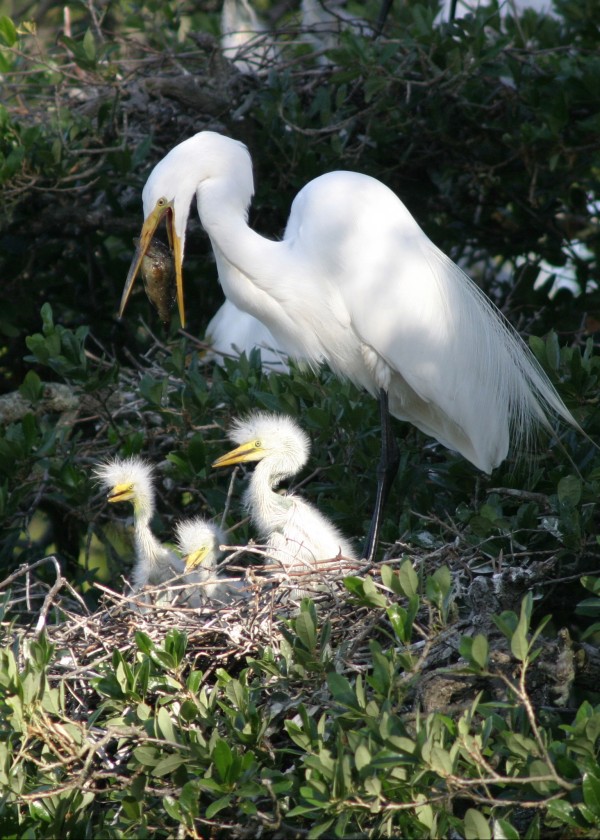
(251, 451)
(163, 209)
(196, 558)
(121, 493)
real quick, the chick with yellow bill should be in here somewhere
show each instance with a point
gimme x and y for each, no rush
(132, 480)
(298, 537)
(199, 542)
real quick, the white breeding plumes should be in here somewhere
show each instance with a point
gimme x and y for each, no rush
(297, 535)
(357, 284)
(131, 480)
(199, 542)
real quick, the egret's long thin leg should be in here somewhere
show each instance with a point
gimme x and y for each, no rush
(382, 16)
(386, 473)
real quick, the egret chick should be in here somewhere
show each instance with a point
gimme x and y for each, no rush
(199, 542)
(297, 535)
(131, 480)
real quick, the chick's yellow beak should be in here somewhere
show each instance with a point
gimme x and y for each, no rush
(195, 558)
(121, 493)
(242, 454)
(163, 209)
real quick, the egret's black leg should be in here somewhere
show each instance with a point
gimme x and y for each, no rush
(384, 11)
(386, 473)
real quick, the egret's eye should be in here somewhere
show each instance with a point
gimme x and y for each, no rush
(161, 202)
(257, 444)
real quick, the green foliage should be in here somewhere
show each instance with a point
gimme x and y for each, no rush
(174, 750)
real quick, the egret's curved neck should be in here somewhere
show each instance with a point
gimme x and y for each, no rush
(147, 544)
(249, 264)
(267, 508)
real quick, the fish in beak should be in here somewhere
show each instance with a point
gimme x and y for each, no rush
(163, 209)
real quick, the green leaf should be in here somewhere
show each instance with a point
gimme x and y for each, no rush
(476, 826)
(441, 761)
(223, 758)
(217, 805)
(8, 32)
(168, 765)
(408, 578)
(569, 491)
(443, 578)
(372, 594)
(503, 830)
(362, 756)
(341, 690)
(562, 812)
(32, 388)
(144, 643)
(171, 806)
(89, 47)
(165, 725)
(519, 644)
(480, 651)
(305, 628)
(591, 793)
(320, 829)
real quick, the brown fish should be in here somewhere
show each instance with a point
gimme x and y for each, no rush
(158, 273)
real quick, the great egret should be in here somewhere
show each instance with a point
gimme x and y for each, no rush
(131, 480)
(199, 542)
(298, 537)
(357, 284)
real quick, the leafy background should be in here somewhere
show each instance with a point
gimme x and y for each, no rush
(488, 128)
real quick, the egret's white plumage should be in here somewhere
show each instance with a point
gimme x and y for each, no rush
(199, 542)
(131, 480)
(232, 332)
(357, 284)
(322, 22)
(244, 37)
(297, 535)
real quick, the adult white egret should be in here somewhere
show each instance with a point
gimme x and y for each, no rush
(199, 542)
(131, 480)
(298, 537)
(357, 284)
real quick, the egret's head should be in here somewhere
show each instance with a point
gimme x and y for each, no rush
(261, 435)
(127, 480)
(198, 541)
(169, 191)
